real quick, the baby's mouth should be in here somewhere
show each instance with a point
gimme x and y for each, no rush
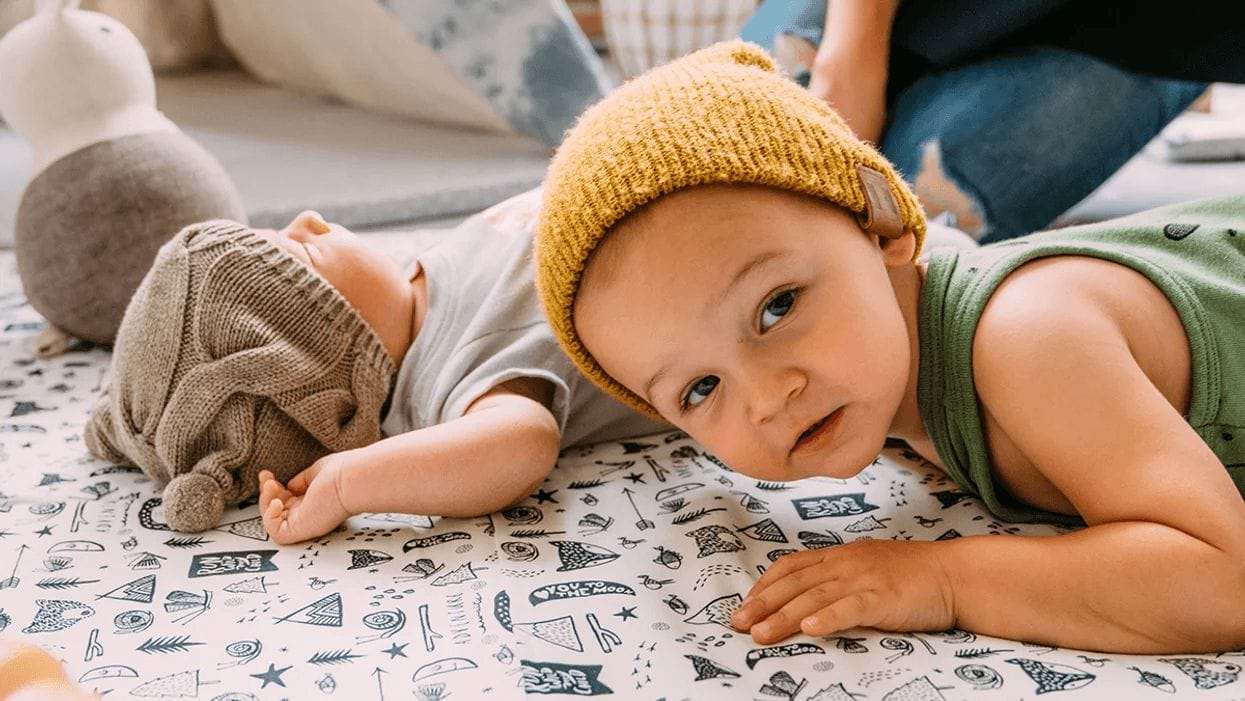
(820, 430)
(813, 429)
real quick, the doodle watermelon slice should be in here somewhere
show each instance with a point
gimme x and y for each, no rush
(366, 558)
(558, 631)
(252, 528)
(576, 556)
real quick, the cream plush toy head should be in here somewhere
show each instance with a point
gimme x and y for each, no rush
(113, 177)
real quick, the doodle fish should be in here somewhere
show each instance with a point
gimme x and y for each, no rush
(1053, 677)
(1206, 674)
(576, 555)
(57, 615)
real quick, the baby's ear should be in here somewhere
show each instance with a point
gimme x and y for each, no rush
(899, 250)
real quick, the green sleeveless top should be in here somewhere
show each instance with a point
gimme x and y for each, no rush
(1194, 252)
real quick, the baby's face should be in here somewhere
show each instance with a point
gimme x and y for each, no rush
(368, 278)
(761, 322)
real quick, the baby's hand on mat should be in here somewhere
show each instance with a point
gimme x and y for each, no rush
(890, 585)
(308, 507)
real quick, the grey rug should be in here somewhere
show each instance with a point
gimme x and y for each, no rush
(288, 152)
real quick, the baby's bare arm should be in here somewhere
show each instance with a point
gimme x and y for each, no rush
(494, 455)
(1161, 567)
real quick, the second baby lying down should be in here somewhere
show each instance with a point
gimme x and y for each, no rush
(248, 357)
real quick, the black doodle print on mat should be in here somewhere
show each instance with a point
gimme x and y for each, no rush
(832, 505)
(559, 678)
(708, 669)
(577, 589)
(57, 615)
(1206, 674)
(1053, 677)
(227, 563)
(624, 568)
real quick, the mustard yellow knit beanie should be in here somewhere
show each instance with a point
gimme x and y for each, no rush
(721, 115)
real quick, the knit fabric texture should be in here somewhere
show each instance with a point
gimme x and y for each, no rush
(724, 114)
(233, 356)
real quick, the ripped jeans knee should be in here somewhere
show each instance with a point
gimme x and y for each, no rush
(941, 195)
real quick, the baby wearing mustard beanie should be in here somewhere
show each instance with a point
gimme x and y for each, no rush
(717, 248)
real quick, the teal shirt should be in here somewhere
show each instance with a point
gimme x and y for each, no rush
(1194, 252)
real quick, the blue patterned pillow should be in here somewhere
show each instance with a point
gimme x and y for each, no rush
(528, 58)
(522, 65)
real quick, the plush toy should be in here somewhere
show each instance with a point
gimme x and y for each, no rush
(113, 178)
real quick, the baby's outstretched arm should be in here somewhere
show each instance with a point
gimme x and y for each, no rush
(1159, 569)
(494, 455)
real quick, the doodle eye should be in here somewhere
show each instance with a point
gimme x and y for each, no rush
(699, 391)
(776, 308)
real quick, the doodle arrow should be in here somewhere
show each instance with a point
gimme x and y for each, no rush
(380, 687)
(643, 524)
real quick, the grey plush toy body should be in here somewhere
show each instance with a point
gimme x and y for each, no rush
(113, 177)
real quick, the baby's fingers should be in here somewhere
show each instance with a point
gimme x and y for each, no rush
(277, 522)
(820, 610)
(765, 600)
(299, 483)
(784, 566)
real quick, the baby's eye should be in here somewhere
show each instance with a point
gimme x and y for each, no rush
(699, 391)
(777, 308)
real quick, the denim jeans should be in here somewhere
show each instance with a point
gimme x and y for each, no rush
(1011, 139)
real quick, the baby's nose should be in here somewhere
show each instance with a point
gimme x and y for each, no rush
(309, 221)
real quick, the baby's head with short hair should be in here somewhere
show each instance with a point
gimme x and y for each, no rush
(234, 355)
(714, 247)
